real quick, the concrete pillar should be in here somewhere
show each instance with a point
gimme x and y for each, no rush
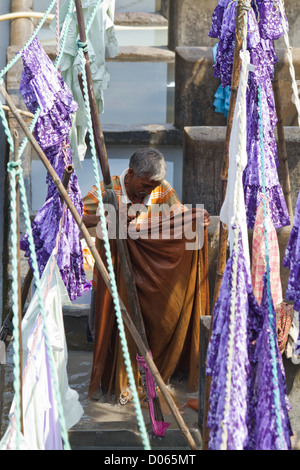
(202, 163)
(21, 28)
(195, 87)
(189, 23)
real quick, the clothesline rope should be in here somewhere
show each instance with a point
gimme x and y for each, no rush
(110, 268)
(60, 50)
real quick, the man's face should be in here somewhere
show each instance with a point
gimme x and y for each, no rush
(140, 187)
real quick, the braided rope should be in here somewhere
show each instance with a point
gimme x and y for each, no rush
(238, 189)
(110, 268)
(17, 412)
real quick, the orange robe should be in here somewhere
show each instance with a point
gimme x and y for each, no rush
(172, 285)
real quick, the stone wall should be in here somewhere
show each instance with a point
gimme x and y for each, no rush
(195, 87)
(190, 21)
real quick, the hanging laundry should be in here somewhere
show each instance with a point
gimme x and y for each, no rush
(234, 197)
(268, 424)
(102, 43)
(291, 261)
(42, 430)
(259, 264)
(264, 26)
(245, 329)
(42, 87)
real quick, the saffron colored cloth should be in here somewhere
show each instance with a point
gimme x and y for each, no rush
(40, 413)
(264, 25)
(172, 285)
(43, 88)
(258, 267)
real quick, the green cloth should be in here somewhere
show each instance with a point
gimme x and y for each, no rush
(102, 43)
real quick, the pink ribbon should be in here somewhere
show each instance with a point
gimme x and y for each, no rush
(159, 427)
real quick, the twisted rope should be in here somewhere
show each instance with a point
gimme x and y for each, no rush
(110, 268)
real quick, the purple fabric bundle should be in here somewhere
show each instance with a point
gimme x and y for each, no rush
(43, 87)
(264, 25)
(250, 422)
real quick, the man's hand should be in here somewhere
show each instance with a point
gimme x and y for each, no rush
(90, 220)
(206, 218)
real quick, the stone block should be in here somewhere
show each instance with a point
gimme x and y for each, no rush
(203, 149)
(195, 87)
(190, 22)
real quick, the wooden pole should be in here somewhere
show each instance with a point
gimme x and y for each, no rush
(223, 231)
(121, 243)
(16, 156)
(103, 271)
(282, 153)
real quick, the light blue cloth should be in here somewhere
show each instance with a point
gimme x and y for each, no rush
(222, 95)
(102, 43)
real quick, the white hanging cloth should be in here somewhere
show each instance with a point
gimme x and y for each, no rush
(237, 151)
(40, 413)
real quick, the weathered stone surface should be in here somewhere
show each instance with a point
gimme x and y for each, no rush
(189, 23)
(289, 112)
(195, 87)
(202, 163)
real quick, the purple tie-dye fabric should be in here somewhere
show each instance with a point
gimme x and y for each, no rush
(43, 87)
(264, 25)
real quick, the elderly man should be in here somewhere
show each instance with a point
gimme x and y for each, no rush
(171, 280)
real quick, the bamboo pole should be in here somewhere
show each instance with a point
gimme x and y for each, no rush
(25, 14)
(223, 231)
(121, 243)
(103, 271)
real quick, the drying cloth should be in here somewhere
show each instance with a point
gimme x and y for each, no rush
(172, 285)
(42, 87)
(264, 26)
(40, 414)
(246, 327)
(291, 261)
(233, 210)
(258, 268)
(102, 43)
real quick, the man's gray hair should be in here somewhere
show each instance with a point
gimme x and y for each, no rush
(149, 162)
